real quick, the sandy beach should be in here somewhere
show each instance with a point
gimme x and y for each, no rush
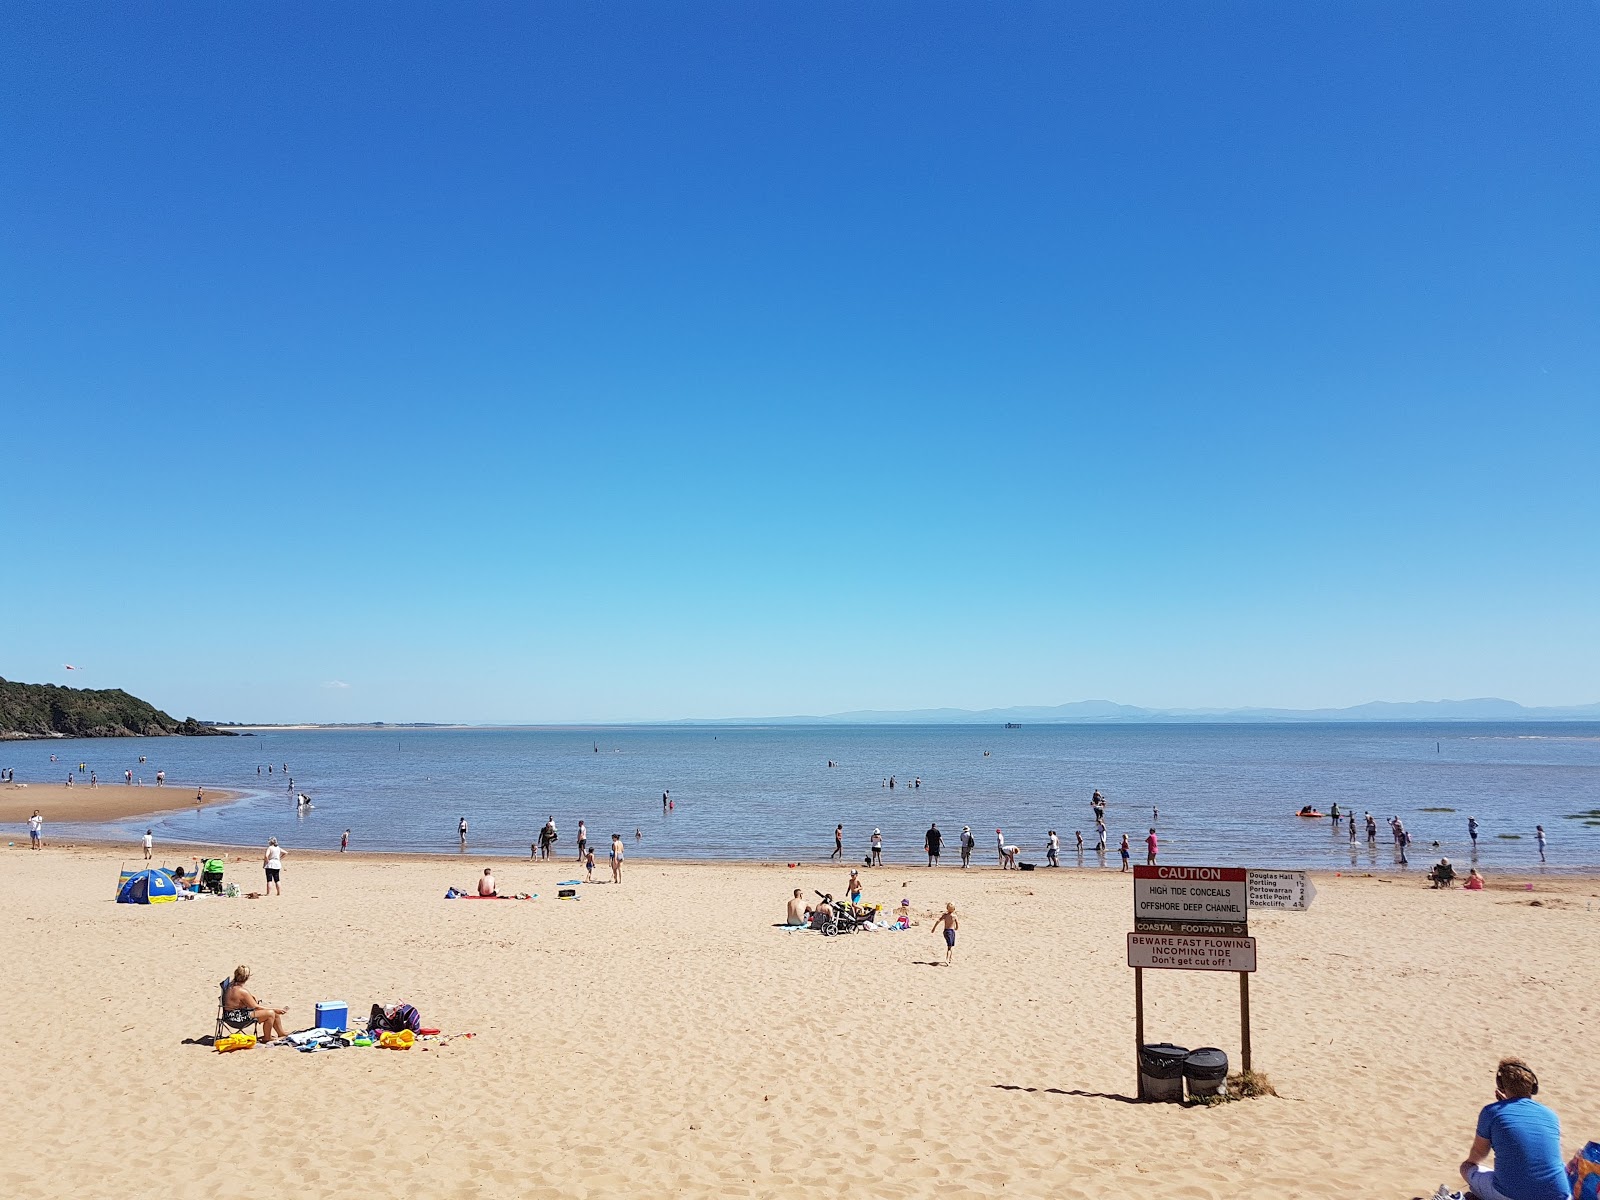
(107, 802)
(663, 1037)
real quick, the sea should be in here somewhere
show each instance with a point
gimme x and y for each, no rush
(1225, 794)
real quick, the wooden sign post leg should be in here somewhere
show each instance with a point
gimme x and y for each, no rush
(1244, 1015)
(1138, 1029)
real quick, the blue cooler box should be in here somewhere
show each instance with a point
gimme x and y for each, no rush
(333, 1014)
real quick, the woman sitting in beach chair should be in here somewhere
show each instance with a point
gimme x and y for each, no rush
(237, 1009)
(1443, 874)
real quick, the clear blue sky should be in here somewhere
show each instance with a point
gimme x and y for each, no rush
(586, 362)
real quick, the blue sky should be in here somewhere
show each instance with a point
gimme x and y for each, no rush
(586, 362)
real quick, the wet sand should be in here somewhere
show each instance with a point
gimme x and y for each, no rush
(107, 802)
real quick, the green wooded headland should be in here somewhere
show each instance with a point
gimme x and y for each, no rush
(40, 710)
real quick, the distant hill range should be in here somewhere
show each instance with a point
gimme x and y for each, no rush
(42, 710)
(1102, 712)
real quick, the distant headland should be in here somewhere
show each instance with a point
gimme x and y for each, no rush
(45, 710)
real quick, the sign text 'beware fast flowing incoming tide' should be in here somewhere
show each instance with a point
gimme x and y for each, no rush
(1175, 952)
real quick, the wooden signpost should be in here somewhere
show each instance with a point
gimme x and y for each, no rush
(1191, 919)
(1197, 919)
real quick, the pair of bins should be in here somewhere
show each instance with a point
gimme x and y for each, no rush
(1165, 1068)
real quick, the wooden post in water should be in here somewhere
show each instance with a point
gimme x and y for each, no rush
(1244, 1016)
(1138, 1031)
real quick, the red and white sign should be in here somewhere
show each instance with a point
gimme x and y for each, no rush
(1179, 952)
(1210, 896)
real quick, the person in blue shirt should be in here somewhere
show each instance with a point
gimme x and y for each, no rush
(1525, 1138)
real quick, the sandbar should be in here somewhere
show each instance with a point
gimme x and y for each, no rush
(107, 802)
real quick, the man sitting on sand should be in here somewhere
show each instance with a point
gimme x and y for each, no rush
(797, 910)
(239, 1003)
(1525, 1139)
(486, 883)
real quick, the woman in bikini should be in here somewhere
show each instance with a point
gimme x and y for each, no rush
(239, 1003)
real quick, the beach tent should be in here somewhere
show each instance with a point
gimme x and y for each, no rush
(147, 887)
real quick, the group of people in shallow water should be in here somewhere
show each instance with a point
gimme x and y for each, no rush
(1006, 853)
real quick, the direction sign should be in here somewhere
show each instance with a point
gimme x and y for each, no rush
(1177, 952)
(1292, 890)
(1209, 899)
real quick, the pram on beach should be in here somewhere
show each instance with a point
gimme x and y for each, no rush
(845, 917)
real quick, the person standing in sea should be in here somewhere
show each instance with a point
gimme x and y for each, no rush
(664, 801)
(583, 840)
(1538, 832)
(1124, 851)
(931, 842)
(1100, 834)
(1372, 831)
(344, 841)
(968, 842)
(461, 828)
(838, 844)
(1150, 848)
(1052, 849)
(1472, 832)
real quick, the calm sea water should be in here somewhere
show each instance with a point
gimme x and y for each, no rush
(1226, 793)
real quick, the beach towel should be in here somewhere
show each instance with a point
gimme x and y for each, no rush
(1585, 1173)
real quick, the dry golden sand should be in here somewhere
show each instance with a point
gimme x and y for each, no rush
(107, 802)
(662, 1038)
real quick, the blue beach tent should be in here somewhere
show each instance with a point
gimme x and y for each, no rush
(147, 887)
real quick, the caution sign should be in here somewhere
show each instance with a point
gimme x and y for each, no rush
(1181, 952)
(1215, 899)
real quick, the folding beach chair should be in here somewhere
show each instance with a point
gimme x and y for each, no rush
(228, 1024)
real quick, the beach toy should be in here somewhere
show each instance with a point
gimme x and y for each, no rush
(236, 1041)
(396, 1041)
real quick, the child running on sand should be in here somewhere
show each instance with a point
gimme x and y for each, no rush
(949, 922)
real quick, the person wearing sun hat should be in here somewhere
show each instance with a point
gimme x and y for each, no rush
(967, 843)
(877, 847)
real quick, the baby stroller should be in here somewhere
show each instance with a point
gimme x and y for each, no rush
(211, 876)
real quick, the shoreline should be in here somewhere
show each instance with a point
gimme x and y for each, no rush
(118, 801)
(1495, 881)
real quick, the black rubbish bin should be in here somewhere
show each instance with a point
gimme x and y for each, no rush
(1161, 1071)
(1206, 1071)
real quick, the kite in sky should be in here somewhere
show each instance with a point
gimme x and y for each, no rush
(69, 666)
